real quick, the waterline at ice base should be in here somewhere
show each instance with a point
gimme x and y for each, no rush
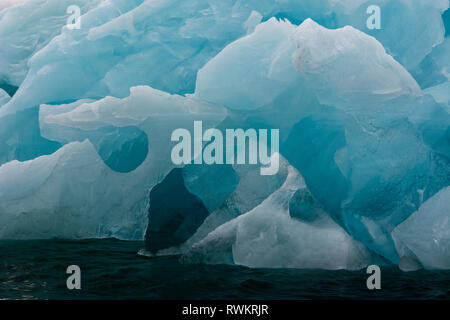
(96, 102)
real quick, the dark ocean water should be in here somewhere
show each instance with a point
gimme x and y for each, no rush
(112, 269)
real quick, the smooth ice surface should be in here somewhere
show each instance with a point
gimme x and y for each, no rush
(435, 68)
(425, 235)
(20, 138)
(440, 93)
(328, 60)
(51, 197)
(258, 63)
(4, 97)
(8, 3)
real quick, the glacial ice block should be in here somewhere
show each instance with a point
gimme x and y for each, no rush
(162, 44)
(55, 67)
(370, 158)
(366, 163)
(366, 154)
(54, 196)
(370, 166)
(254, 70)
(349, 69)
(267, 237)
(123, 149)
(425, 236)
(255, 78)
(41, 22)
(123, 43)
(74, 188)
(251, 190)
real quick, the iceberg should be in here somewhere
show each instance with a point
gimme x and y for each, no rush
(86, 117)
(126, 43)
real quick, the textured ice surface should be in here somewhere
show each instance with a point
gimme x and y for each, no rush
(28, 27)
(161, 44)
(246, 78)
(370, 165)
(425, 236)
(59, 65)
(95, 111)
(44, 19)
(84, 191)
(126, 43)
(267, 237)
(250, 191)
(366, 164)
(173, 41)
(365, 156)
